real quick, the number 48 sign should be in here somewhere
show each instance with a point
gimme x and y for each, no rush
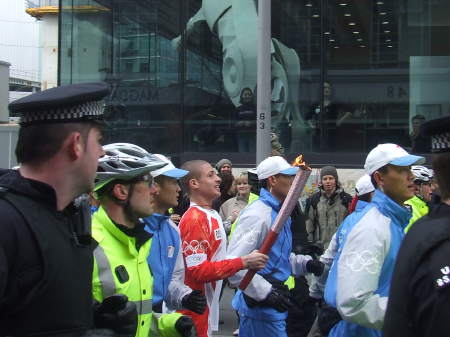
(397, 92)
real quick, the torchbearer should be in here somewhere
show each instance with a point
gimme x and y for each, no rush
(263, 305)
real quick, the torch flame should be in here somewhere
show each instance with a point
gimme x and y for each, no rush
(299, 162)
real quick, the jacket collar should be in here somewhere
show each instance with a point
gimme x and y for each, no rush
(388, 207)
(338, 191)
(155, 221)
(42, 192)
(128, 237)
(267, 197)
(360, 205)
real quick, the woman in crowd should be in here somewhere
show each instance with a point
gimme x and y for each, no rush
(230, 209)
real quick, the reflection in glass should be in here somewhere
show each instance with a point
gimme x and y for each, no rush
(183, 73)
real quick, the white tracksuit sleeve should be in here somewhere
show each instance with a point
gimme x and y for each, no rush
(251, 229)
(359, 269)
(317, 286)
(177, 289)
(298, 264)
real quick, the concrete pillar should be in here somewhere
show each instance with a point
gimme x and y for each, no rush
(49, 57)
(4, 91)
(264, 108)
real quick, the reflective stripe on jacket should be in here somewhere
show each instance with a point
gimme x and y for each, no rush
(359, 280)
(119, 268)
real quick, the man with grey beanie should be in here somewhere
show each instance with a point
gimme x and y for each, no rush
(327, 208)
(224, 166)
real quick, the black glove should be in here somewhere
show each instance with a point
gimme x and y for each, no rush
(185, 326)
(274, 300)
(116, 313)
(194, 301)
(315, 301)
(312, 249)
(327, 318)
(277, 301)
(315, 266)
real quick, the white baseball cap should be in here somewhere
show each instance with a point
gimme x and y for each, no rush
(393, 154)
(364, 185)
(169, 170)
(274, 165)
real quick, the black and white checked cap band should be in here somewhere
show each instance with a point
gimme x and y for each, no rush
(88, 110)
(440, 142)
(439, 131)
(67, 103)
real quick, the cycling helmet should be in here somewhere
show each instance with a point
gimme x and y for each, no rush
(421, 174)
(124, 161)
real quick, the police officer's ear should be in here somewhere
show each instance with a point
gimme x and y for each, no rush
(75, 145)
(120, 191)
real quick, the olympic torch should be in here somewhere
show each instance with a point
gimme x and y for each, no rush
(286, 209)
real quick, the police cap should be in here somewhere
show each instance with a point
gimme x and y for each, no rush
(439, 131)
(67, 103)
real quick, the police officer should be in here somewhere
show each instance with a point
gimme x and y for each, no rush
(419, 299)
(125, 189)
(45, 252)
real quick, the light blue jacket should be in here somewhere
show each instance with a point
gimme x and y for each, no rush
(360, 276)
(166, 261)
(251, 229)
(317, 284)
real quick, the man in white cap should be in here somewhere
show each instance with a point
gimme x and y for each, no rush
(364, 191)
(419, 301)
(165, 258)
(359, 280)
(263, 306)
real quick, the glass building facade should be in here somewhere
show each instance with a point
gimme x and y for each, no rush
(346, 75)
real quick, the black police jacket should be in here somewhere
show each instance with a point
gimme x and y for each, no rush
(419, 298)
(45, 262)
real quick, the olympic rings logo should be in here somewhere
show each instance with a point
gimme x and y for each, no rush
(363, 261)
(249, 237)
(195, 247)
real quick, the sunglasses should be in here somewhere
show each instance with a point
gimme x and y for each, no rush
(145, 178)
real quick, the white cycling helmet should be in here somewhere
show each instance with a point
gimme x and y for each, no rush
(124, 161)
(421, 174)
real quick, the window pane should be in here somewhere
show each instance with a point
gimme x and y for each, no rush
(183, 76)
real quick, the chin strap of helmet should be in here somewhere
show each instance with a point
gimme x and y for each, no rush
(127, 205)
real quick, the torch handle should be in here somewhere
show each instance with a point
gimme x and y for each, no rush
(265, 247)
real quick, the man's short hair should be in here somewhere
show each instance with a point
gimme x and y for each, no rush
(193, 166)
(38, 143)
(441, 167)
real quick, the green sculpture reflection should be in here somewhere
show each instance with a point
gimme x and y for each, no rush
(235, 24)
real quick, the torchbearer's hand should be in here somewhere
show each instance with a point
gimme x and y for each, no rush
(185, 326)
(255, 260)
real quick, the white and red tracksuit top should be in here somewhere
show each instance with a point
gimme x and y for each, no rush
(204, 249)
